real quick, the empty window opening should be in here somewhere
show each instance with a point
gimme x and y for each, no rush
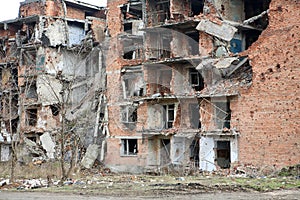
(196, 80)
(250, 37)
(165, 152)
(55, 109)
(254, 8)
(169, 115)
(197, 7)
(222, 114)
(134, 84)
(132, 48)
(193, 42)
(31, 117)
(128, 27)
(159, 11)
(164, 81)
(194, 116)
(129, 55)
(129, 147)
(223, 154)
(194, 152)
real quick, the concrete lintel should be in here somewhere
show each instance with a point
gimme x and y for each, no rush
(223, 31)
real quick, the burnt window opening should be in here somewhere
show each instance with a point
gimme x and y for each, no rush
(194, 116)
(55, 109)
(169, 115)
(196, 80)
(222, 114)
(31, 117)
(197, 7)
(223, 154)
(159, 11)
(129, 147)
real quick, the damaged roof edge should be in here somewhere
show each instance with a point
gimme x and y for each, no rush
(83, 4)
(32, 18)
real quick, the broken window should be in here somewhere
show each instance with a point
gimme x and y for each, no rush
(31, 117)
(169, 115)
(222, 114)
(133, 83)
(223, 154)
(194, 116)
(197, 7)
(129, 147)
(196, 79)
(129, 116)
(159, 11)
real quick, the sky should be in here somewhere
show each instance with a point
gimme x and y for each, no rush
(10, 9)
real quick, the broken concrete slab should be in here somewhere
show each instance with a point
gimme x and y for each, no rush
(90, 156)
(224, 62)
(224, 31)
(48, 144)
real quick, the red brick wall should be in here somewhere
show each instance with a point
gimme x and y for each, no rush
(268, 114)
(75, 13)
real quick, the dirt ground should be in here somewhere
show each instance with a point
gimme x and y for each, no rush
(282, 194)
(95, 184)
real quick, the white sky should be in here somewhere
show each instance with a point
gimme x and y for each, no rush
(10, 8)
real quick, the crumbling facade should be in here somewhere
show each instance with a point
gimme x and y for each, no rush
(155, 86)
(195, 85)
(51, 72)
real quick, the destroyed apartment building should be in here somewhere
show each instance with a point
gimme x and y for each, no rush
(51, 68)
(156, 85)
